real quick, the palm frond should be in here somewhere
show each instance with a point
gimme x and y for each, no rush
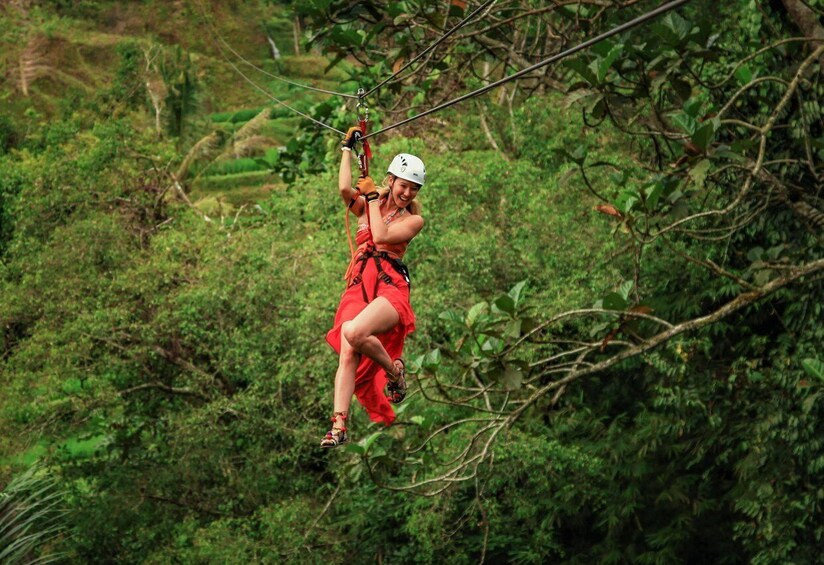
(206, 148)
(250, 147)
(253, 126)
(31, 515)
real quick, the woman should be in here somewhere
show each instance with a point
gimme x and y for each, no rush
(374, 315)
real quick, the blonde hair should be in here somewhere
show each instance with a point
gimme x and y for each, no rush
(414, 207)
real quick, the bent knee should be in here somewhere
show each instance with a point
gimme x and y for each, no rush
(355, 335)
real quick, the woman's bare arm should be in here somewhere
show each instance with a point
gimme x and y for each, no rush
(347, 193)
(396, 232)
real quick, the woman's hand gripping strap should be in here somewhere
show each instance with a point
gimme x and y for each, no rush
(353, 136)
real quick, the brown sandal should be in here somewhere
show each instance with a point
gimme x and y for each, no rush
(396, 387)
(337, 435)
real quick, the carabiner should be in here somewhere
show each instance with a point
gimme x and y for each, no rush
(363, 108)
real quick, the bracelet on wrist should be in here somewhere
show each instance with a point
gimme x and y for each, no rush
(372, 197)
(346, 149)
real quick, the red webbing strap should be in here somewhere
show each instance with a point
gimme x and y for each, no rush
(348, 239)
(363, 163)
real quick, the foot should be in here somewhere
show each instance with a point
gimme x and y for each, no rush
(337, 435)
(396, 387)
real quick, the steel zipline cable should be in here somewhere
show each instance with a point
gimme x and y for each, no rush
(557, 57)
(216, 34)
(281, 102)
(286, 80)
(260, 88)
(440, 40)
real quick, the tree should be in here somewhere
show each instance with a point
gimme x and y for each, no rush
(721, 224)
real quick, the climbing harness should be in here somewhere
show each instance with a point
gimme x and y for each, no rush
(383, 276)
(370, 252)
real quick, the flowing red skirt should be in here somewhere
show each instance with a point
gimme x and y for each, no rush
(370, 378)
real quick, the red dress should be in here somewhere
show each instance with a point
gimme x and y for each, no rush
(365, 283)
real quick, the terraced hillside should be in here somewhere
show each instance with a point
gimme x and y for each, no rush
(177, 78)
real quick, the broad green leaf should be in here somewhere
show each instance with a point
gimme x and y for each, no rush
(774, 252)
(814, 368)
(597, 107)
(743, 74)
(513, 377)
(451, 316)
(680, 209)
(413, 366)
(432, 360)
(580, 154)
(582, 68)
(354, 448)
(698, 173)
(505, 304)
(692, 107)
(679, 26)
(367, 442)
(653, 194)
(605, 63)
(755, 254)
(627, 199)
(675, 196)
(625, 289)
(763, 277)
(578, 96)
(599, 329)
(755, 376)
(516, 292)
(492, 345)
(475, 313)
(704, 133)
(614, 301)
(620, 178)
(684, 122)
(513, 329)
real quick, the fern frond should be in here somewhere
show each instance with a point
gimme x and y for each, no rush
(206, 148)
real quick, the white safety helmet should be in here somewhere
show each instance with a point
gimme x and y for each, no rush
(408, 167)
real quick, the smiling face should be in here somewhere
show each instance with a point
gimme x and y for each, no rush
(403, 191)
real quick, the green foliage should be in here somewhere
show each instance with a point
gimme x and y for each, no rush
(31, 518)
(128, 84)
(9, 137)
(179, 76)
(171, 371)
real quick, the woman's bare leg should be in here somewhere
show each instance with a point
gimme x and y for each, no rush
(345, 376)
(377, 318)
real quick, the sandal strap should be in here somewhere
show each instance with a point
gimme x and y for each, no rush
(401, 372)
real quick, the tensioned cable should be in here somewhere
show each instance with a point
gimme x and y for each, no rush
(623, 27)
(282, 103)
(263, 90)
(445, 36)
(286, 80)
(216, 33)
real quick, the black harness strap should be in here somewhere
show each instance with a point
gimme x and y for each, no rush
(382, 275)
